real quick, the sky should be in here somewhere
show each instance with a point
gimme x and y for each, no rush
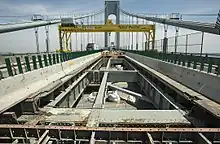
(24, 41)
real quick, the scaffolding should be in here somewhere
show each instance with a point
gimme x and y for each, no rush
(65, 31)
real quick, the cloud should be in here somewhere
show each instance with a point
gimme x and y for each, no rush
(7, 8)
(25, 7)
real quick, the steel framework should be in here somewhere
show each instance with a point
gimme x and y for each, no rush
(63, 114)
(65, 31)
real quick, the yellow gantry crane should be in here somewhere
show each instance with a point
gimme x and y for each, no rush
(65, 31)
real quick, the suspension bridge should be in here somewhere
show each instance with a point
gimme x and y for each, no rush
(133, 88)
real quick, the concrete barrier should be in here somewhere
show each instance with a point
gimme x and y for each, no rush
(15, 71)
(204, 83)
(17, 88)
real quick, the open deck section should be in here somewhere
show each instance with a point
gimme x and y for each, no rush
(107, 97)
(109, 81)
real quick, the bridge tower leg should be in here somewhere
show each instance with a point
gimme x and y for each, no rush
(112, 7)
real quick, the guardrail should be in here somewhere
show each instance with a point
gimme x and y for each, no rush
(36, 61)
(202, 63)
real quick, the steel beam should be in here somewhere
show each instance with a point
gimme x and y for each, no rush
(8, 117)
(109, 63)
(129, 65)
(59, 99)
(99, 101)
(101, 93)
(15, 141)
(92, 139)
(30, 106)
(108, 116)
(113, 135)
(44, 138)
(149, 139)
(97, 65)
(113, 129)
(113, 71)
(107, 28)
(201, 139)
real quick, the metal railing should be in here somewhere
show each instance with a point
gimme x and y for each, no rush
(186, 50)
(189, 43)
(199, 62)
(15, 65)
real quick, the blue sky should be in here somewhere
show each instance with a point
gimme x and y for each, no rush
(24, 41)
(24, 7)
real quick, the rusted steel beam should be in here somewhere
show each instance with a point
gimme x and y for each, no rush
(17, 126)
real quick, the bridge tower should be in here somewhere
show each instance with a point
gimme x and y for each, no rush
(112, 7)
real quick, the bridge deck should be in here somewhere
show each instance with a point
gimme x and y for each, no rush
(144, 104)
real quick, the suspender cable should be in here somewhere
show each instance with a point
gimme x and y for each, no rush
(92, 34)
(81, 35)
(137, 37)
(129, 36)
(143, 37)
(88, 32)
(132, 36)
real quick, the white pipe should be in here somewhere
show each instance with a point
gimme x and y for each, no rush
(198, 26)
(17, 27)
